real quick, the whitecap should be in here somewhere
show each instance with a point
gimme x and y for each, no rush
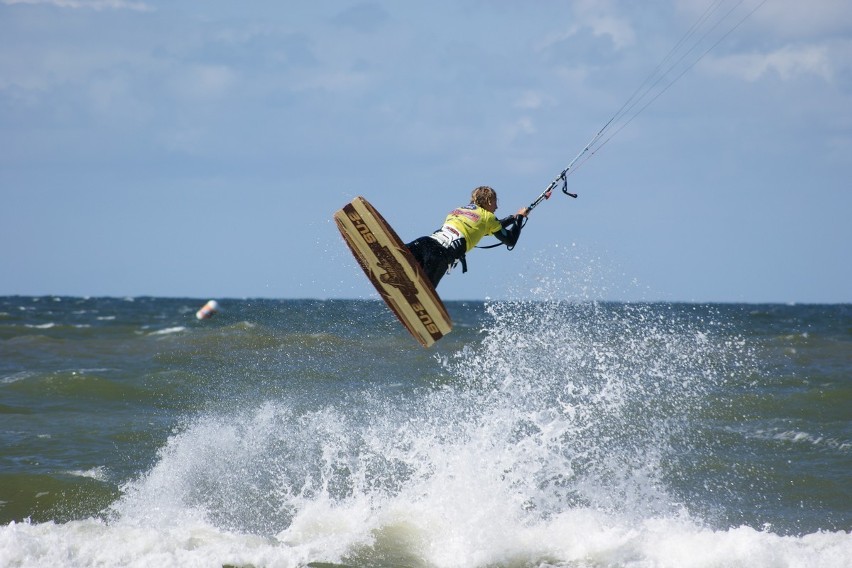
(168, 330)
(97, 473)
(15, 377)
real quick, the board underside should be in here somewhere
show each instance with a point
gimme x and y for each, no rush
(393, 271)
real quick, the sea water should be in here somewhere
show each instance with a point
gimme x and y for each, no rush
(539, 433)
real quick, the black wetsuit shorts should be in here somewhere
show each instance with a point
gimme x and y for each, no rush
(434, 258)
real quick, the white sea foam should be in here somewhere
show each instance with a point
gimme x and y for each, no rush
(439, 484)
(400, 535)
(15, 377)
(544, 446)
(98, 473)
(799, 437)
(168, 330)
(92, 542)
(465, 478)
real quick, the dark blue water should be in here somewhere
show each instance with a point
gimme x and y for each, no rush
(286, 433)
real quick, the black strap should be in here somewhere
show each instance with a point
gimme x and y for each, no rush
(510, 239)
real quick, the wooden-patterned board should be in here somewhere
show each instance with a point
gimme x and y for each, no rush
(393, 271)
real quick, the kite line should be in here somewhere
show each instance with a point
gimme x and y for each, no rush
(715, 24)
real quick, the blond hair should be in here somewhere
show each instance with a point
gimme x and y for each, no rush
(483, 196)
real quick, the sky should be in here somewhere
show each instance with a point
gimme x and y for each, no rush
(199, 149)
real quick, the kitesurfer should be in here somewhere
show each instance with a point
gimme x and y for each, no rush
(462, 230)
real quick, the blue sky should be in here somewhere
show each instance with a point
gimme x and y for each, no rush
(200, 148)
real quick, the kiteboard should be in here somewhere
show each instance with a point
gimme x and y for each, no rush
(394, 272)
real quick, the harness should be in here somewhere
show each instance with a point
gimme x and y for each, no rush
(450, 238)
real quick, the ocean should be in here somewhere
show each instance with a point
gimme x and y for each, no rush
(318, 433)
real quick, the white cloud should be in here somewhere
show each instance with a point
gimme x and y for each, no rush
(786, 19)
(205, 82)
(603, 19)
(522, 126)
(619, 31)
(598, 17)
(788, 63)
(88, 4)
(806, 19)
(787, 39)
(533, 100)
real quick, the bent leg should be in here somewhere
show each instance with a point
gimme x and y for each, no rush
(431, 256)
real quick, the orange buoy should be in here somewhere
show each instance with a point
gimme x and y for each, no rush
(207, 310)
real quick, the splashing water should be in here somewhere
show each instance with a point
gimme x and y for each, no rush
(551, 440)
(563, 431)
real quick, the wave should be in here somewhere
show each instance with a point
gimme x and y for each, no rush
(97, 473)
(558, 440)
(415, 535)
(555, 434)
(48, 325)
(800, 437)
(168, 330)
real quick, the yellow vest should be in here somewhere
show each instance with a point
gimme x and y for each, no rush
(473, 222)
